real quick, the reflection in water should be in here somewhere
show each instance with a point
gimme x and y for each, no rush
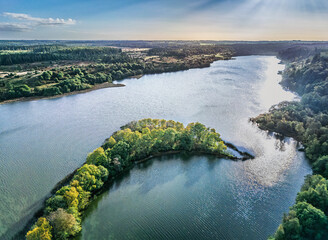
(180, 197)
(209, 198)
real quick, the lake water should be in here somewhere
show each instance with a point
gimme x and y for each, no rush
(172, 197)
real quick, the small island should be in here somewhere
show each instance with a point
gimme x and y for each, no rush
(136, 142)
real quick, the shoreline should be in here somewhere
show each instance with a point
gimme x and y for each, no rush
(68, 178)
(246, 155)
(106, 84)
(95, 87)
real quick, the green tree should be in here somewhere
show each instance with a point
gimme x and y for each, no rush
(40, 231)
(168, 139)
(291, 228)
(316, 195)
(64, 224)
(122, 150)
(71, 197)
(91, 177)
(312, 220)
(98, 157)
(46, 75)
(110, 143)
(196, 130)
(83, 196)
(55, 202)
(24, 90)
(185, 141)
(321, 166)
(51, 91)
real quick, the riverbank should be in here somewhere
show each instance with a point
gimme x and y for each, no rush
(95, 87)
(306, 122)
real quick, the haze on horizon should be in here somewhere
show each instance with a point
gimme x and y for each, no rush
(164, 20)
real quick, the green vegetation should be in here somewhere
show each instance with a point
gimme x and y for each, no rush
(106, 64)
(50, 70)
(306, 121)
(41, 230)
(54, 52)
(135, 142)
(307, 218)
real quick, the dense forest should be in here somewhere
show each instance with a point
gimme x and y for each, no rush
(306, 121)
(135, 142)
(41, 53)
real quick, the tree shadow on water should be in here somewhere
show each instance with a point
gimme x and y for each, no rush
(155, 173)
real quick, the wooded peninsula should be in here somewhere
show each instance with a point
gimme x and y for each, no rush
(135, 142)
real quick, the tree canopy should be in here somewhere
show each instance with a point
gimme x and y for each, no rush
(134, 142)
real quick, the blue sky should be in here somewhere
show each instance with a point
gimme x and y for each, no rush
(169, 19)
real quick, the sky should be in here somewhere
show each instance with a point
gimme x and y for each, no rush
(164, 19)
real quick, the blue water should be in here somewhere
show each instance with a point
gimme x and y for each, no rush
(177, 197)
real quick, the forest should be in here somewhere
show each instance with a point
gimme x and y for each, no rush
(307, 121)
(135, 142)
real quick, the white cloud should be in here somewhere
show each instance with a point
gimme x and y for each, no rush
(26, 22)
(39, 21)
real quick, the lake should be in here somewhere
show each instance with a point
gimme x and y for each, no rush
(172, 197)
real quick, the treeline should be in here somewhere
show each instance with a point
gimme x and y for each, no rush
(306, 121)
(285, 50)
(70, 79)
(185, 51)
(308, 76)
(55, 53)
(307, 218)
(61, 81)
(296, 53)
(10, 47)
(136, 141)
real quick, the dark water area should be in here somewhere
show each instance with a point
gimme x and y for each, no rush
(172, 197)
